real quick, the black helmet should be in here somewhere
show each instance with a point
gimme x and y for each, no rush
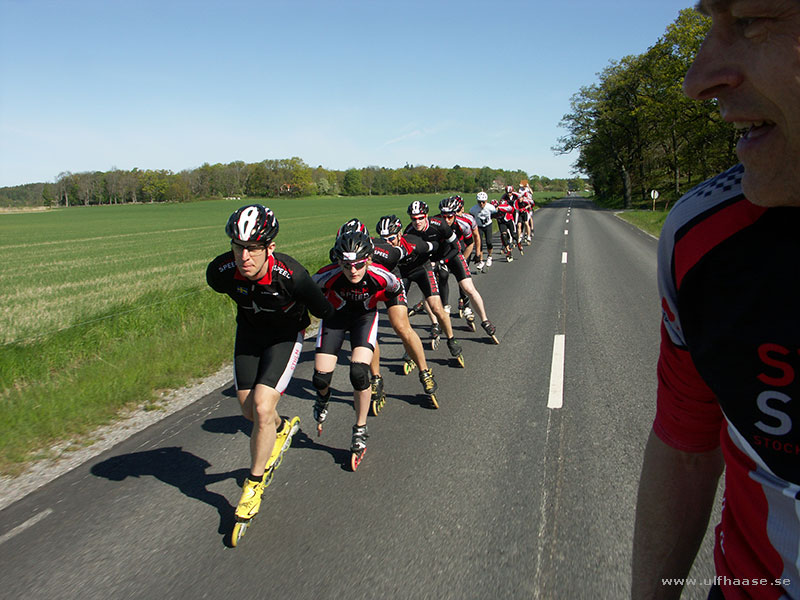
(459, 202)
(252, 223)
(388, 225)
(418, 207)
(352, 225)
(448, 206)
(353, 245)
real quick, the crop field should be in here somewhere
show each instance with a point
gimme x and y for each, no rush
(102, 307)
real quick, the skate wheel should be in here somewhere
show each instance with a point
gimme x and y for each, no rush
(319, 429)
(434, 343)
(409, 366)
(238, 532)
(434, 403)
(471, 325)
(496, 341)
(355, 459)
(460, 359)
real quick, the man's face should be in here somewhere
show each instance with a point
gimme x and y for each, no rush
(420, 222)
(251, 259)
(750, 62)
(393, 239)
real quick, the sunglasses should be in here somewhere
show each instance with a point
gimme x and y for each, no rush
(422, 218)
(355, 264)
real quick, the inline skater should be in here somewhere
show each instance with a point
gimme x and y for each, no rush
(506, 222)
(354, 286)
(388, 255)
(456, 264)
(420, 271)
(526, 194)
(523, 208)
(482, 212)
(470, 241)
(272, 292)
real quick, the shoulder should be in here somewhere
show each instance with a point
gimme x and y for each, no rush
(221, 265)
(704, 217)
(287, 267)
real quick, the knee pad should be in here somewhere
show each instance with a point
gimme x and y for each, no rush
(359, 376)
(321, 380)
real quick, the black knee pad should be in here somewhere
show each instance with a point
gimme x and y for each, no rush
(321, 380)
(359, 376)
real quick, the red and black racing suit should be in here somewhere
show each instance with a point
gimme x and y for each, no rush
(729, 372)
(271, 317)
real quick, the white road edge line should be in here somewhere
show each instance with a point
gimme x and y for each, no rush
(29, 523)
(556, 397)
(563, 258)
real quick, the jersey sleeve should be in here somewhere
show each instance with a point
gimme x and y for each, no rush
(688, 416)
(217, 270)
(309, 293)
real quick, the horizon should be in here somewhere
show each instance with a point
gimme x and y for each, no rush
(104, 85)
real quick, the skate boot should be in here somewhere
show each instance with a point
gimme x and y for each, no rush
(455, 351)
(447, 309)
(283, 440)
(358, 446)
(461, 307)
(429, 386)
(321, 410)
(490, 330)
(378, 398)
(480, 266)
(416, 309)
(519, 247)
(248, 506)
(509, 258)
(408, 364)
(489, 261)
(436, 334)
(469, 317)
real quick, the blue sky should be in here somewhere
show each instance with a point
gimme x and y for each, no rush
(92, 85)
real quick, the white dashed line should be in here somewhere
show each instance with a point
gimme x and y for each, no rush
(556, 397)
(29, 523)
(563, 258)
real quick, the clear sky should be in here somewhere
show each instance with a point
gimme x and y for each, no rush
(88, 85)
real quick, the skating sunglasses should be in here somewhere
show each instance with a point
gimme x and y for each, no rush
(252, 250)
(390, 238)
(356, 264)
(420, 218)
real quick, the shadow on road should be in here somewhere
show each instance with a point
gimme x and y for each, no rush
(176, 467)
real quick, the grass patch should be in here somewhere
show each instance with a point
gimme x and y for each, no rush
(646, 220)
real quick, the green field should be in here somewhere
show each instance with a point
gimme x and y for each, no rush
(102, 307)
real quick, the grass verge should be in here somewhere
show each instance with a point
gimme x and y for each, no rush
(646, 220)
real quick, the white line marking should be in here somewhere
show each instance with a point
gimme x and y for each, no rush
(567, 220)
(29, 523)
(563, 258)
(566, 232)
(556, 397)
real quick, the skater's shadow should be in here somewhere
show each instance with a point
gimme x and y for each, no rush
(230, 425)
(341, 456)
(183, 470)
(420, 400)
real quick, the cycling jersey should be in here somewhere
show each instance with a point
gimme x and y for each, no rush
(275, 305)
(437, 232)
(483, 214)
(728, 370)
(377, 285)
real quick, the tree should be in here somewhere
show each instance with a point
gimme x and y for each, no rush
(352, 183)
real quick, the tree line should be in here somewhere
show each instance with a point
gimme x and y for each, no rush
(636, 131)
(268, 178)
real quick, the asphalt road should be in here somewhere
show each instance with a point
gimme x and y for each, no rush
(494, 495)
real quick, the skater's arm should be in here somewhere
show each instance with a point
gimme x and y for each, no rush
(308, 292)
(676, 493)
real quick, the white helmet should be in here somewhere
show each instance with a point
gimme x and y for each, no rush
(482, 196)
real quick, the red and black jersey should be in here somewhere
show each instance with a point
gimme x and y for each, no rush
(465, 226)
(505, 210)
(377, 285)
(437, 232)
(729, 370)
(277, 303)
